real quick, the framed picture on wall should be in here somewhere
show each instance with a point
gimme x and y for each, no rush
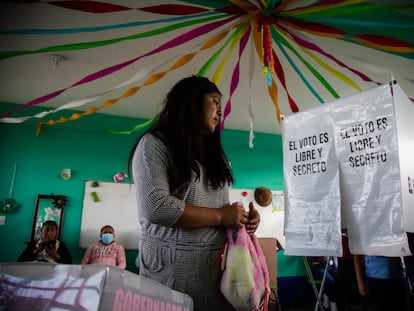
(47, 207)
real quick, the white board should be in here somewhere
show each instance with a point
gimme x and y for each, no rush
(116, 207)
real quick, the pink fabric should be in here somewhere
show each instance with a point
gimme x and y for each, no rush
(245, 282)
(99, 253)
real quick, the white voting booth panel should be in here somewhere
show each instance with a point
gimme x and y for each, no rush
(311, 178)
(346, 164)
(43, 286)
(404, 113)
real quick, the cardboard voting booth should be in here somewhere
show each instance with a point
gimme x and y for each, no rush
(43, 286)
(346, 165)
(269, 247)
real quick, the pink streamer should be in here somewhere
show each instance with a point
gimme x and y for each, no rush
(235, 76)
(314, 47)
(104, 72)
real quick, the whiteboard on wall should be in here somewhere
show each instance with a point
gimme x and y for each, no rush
(272, 217)
(116, 207)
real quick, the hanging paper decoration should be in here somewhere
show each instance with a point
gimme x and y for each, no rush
(282, 33)
(10, 205)
(59, 201)
(120, 176)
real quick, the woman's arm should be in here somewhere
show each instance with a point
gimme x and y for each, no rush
(233, 215)
(86, 259)
(360, 275)
(28, 253)
(120, 257)
(63, 251)
(156, 203)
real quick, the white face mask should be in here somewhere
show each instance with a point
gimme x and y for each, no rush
(107, 238)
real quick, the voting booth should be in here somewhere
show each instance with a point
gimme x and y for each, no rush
(44, 286)
(347, 165)
(347, 168)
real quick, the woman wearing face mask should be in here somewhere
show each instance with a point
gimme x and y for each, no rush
(106, 251)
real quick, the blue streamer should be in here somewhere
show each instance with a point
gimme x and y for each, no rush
(269, 78)
(298, 72)
(101, 28)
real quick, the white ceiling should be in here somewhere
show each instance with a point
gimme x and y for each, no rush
(27, 77)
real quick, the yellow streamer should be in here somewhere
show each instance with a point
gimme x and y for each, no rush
(257, 41)
(318, 33)
(131, 91)
(273, 92)
(263, 55)
(323, 64)
(264, 3)
(219, 72)
(270, 43)
(333, 71)
(245, 6)
(284, 4)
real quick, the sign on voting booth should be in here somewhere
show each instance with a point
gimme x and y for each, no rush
(346, 165)
(311, 178)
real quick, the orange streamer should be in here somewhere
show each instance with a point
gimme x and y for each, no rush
(396, 49)
(273, 92)
(131, 91)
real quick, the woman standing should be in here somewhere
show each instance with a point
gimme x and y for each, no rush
(182, 180)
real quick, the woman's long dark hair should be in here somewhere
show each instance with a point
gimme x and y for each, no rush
(181, 127)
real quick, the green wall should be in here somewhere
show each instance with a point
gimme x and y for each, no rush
(91, 153)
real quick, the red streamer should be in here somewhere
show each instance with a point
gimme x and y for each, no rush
(174, 9)
(90, 6)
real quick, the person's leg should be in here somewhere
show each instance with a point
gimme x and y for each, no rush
(397, 294)
(387, 294)
(377, 293)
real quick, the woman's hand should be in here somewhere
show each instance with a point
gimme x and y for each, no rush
(253, 219)
(40, 246)
(52, 252)
(234, 215)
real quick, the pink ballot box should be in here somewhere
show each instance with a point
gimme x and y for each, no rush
(43, 286)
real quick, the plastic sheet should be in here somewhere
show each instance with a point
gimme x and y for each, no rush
(43, 286)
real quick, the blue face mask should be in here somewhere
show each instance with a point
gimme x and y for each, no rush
(107, 238)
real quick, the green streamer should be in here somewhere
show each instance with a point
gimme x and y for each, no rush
(88, 45)
(136, 127)
(202, 72)
(361, 8)
(321, 79)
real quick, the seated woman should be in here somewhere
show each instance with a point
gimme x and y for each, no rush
(106, 251)
(47, 248)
